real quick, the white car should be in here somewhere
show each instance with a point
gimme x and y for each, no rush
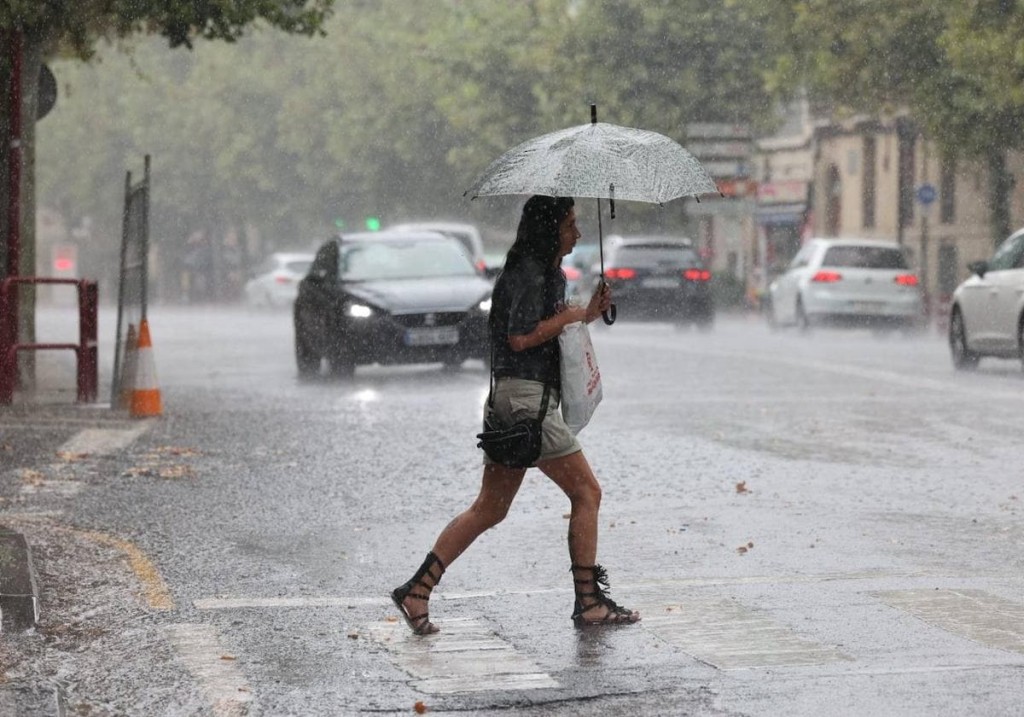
(851, 282)
(467, 234)
(987, 312)
(275, 281)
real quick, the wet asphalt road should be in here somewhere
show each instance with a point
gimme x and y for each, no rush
(812, 525)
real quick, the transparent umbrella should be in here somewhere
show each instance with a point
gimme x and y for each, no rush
(598, 160)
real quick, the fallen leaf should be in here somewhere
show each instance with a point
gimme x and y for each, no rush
(177, 451)
(177, 472)
(391, 618)
(742, 549)
(750, 545)
(68, 457)
(32, 477)
(228, 657)
(420, 707)
(353, 636)
(567, 515)
(741, 487)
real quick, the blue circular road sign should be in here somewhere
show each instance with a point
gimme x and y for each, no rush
(926, 194)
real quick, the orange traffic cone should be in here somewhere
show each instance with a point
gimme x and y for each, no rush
(145, 393)
(127, 378)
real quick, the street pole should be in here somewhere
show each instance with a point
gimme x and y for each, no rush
(925, 276)
(14, 158)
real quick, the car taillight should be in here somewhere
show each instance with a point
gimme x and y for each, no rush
(906, 280)
(697, 275)
(827, 277)
(481, 266)
(571, 273)
(620, 273)
(279, 279)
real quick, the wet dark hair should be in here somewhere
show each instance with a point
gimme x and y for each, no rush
(537, 235)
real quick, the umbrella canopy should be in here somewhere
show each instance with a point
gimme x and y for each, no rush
(597, 160)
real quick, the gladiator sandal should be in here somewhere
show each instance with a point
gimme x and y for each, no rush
(419, 624)
(590, 592)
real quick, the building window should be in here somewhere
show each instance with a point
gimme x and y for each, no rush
(947, 191)
(867, 186)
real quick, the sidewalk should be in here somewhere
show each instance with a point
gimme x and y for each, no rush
(31, 429)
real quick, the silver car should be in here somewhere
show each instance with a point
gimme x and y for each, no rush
(987, 313)
(275, 282)
(852, 282)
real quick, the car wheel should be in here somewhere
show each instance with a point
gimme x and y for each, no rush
(306, 358)
(769, 313)
(341, 366)
(706, 323)
(803, 321)
(1020, 339)
(963, 358)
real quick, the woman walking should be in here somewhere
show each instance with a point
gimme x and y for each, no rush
(528, 313)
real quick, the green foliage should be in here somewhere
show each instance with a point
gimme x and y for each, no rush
(77, 24)
(392, 113)
(955, 66)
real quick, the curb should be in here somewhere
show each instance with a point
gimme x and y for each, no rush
(19, 592)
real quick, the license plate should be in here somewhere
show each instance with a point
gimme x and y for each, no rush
(660, 283)
(434, 336)
(868, 307)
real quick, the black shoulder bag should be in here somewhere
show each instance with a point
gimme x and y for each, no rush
(515, 446)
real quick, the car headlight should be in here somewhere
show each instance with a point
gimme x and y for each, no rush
(485, 305)
(359, 311)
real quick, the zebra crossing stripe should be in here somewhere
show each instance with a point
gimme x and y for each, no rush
(467, 656)
(206, 660)
(975, 614)
(101, 441)
(726, 635)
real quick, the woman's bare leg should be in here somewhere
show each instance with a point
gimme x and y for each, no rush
(498, 488)
(497, 491)
(572, 473)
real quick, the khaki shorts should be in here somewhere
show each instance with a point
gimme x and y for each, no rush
(517, 398)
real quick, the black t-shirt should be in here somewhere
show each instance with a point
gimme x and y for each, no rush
(524, 295)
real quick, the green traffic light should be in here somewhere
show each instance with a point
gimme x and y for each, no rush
(339, 223)
(373, 223)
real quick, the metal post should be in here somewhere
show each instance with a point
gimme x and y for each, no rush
(115, 388)
(88, 369)
(14, 159)
(145, 239)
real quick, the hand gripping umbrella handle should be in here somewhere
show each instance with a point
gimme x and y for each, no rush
(609, 315)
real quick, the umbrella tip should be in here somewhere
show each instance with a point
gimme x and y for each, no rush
(593, 114)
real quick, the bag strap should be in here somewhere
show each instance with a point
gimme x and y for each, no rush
(490, 391)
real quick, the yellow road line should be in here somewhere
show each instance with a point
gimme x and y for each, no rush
(154, 588)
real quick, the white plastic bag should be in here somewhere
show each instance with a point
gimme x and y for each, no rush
(581, 377)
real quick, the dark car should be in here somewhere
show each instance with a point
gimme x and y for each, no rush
(658, 278)
(389, 298)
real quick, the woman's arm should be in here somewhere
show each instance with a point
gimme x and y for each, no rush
(551, 327)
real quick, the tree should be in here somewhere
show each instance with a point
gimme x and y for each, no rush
(954, 66)
(34, 31)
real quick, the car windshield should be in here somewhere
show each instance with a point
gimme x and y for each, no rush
(298, 267)
(670, 255)
(403, 260)
(865, 257)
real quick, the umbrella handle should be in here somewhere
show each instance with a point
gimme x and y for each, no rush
(609, 315)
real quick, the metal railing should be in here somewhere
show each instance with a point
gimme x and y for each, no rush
(87, 369)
